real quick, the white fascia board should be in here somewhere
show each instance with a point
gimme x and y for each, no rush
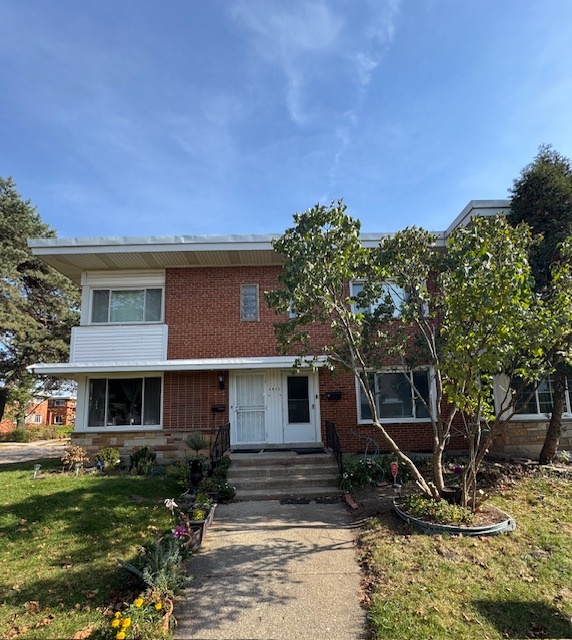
(146, 244)
(66, 369)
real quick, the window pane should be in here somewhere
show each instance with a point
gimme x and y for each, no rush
(153, 305)
(152, 401)
(365, 410)
(396, 294)
(395, 398)
(100, 310)
(127, 306)
(544, 394)
(355, 289)
(125, 401)
(96, 414)
(524, 402)
(249, 302)
(421, 382)
(298, 400)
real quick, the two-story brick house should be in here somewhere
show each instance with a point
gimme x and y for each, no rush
(175, 336)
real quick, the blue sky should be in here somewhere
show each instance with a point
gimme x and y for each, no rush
(134, 117)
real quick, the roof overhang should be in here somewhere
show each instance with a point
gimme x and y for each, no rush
(477, 208)
(74, 369)
(72, 256)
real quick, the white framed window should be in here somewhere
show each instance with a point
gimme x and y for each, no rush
(534, 403)
(395, 397)
(37, 418)
(397, 294)
(249, 302)
(59, 403)
(124, 402)
(58, 419)
(126, 306)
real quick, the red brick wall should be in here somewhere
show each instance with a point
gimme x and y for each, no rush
(188, 399)
(202, 309)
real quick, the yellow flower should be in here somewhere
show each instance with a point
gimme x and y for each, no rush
(139, 602)
(125, 623)
(118, 614)
(158, 606)
(115, 623)
(120, 635)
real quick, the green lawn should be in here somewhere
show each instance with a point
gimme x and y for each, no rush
(517, 585)
(60, 536)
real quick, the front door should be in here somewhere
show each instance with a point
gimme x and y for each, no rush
(273, 407)
(249, 409)
(299, 408)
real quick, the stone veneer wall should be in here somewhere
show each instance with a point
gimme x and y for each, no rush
(525, 439)
(168, 445)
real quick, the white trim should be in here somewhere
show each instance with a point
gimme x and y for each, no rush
(204, 364)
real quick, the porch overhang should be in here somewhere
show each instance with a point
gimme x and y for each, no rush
(74, 369)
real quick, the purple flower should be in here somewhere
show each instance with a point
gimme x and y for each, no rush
(179, 531)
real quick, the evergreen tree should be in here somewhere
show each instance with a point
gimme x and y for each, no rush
(38, 305)
(542, 197)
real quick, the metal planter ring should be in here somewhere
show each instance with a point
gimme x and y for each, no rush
(431, 528)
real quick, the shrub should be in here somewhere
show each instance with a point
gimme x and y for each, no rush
(142, 461)
(222, 467)
(196, 441)
(226, 492)
(438, 511)
(74, 455)
(20, 435)
(109, 457)
(179, 472)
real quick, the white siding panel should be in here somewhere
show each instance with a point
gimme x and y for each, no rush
(119, 342)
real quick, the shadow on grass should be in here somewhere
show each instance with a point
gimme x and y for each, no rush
(66, 535)
(524, 619)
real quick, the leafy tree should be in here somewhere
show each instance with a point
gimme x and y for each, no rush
(38, 306)
(481, 320)
(542, 197)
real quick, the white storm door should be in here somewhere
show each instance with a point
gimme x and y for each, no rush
(299, 409)
(249, 409)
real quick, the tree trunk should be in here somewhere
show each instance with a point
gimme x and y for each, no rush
(552, 438)
(3, 398)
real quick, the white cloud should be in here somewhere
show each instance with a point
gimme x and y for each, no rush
(309, 41)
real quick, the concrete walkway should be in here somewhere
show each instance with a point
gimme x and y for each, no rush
(268, 571)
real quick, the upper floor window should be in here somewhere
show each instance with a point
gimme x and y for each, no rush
(59, 403)
(397, 295)
(395, 396)
(539, 401)
(127, 305)
(249, 302)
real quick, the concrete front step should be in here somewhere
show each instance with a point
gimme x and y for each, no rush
(272, 475)
(309, 493)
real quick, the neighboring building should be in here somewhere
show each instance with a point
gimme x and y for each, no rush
(43, 412)
(175, 336)
(51, 411)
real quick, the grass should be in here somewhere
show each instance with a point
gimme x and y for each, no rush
(517, 585)
(60, 536)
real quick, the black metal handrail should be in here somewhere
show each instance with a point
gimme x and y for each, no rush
(220, 445)
(333, 443)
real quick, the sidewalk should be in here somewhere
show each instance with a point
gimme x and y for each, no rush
(274, 572)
